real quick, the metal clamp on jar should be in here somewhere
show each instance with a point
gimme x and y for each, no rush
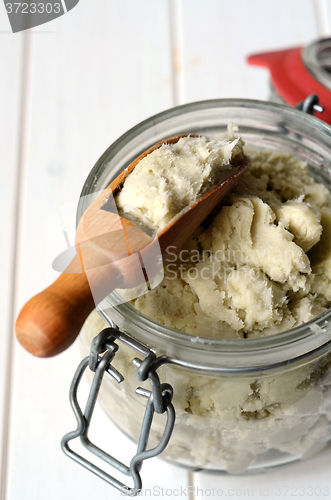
(159, 401)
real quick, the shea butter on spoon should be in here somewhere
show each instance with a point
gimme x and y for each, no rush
(187, 178)
(176, 175)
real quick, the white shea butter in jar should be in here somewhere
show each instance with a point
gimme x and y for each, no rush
(260, 263)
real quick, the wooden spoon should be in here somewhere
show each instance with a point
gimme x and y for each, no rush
(112, 253)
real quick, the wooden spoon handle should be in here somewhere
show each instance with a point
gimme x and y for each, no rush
(51, 320)
(106, 258)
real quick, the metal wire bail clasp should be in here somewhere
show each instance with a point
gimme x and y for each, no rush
(158, 400)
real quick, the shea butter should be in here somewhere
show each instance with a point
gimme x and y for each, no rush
(261, 264)
(175, 175)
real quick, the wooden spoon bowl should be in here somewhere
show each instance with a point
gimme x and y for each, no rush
(112, 253)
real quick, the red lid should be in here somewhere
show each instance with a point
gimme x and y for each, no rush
(292, 80)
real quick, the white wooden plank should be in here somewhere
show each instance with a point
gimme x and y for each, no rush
(10, 98)
(96, 72)
(176, 41)
(323, 17)
(305, 480)
(218, 38)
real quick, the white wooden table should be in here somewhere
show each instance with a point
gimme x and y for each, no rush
(68, 89)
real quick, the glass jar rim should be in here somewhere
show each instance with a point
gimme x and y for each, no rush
(300, 341)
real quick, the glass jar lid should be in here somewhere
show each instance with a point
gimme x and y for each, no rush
(298, 72)
(317, 58)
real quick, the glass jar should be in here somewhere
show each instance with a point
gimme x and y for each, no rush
(241, 405)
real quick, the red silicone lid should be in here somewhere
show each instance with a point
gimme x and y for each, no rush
(292, 80)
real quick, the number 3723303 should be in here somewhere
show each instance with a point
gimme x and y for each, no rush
(33, 8)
